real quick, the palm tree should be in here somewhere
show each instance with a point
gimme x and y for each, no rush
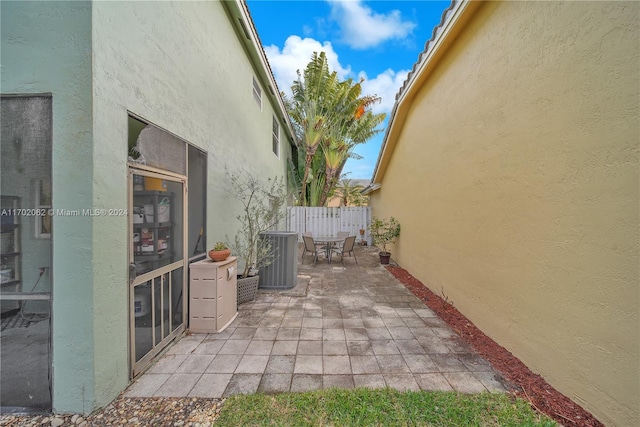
(330, 114)
(350, 195)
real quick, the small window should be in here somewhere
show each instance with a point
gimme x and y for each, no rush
(257, 93)
(276, 137)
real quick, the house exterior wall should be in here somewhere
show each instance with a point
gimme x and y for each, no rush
(178, 65)
(181, 66)
(46, 48)
(515, 178)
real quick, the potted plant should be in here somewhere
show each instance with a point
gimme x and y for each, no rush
(384, 231)
(262, 201)
(220, 252)
(362, 241)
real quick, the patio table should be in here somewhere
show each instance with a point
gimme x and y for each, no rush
(328, 242)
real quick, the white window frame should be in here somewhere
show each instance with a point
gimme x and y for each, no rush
(257, 92)
(275, 137)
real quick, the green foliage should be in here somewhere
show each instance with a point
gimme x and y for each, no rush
(379, 407)
(330, 117)
(384, 231)
(262, 204)
(350, 195)
(220, 246)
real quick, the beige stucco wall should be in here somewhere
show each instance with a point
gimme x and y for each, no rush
(515, 178)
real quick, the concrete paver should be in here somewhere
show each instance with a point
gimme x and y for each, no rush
(344, 326)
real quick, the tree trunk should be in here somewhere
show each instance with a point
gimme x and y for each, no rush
(329, 182)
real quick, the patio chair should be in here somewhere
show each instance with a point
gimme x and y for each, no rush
(347, 248)
(309, 246)
(342, 235)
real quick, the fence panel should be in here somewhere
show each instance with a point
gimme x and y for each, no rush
(323, 221)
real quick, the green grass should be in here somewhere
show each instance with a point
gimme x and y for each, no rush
(381, 407)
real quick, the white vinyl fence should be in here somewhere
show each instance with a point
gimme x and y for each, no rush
(328, 221)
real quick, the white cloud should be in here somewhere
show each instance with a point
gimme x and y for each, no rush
(295, 55)
(363, 28)
(385, 85)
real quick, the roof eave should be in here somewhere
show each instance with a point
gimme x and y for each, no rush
(451, 24)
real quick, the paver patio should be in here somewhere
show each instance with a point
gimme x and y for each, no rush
(342, 326)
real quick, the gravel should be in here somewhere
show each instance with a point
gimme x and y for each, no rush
(156, 411)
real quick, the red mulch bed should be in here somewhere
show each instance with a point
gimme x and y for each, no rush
(525, 384)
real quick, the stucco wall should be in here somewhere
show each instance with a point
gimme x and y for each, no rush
(46, 48)
(180, 66)
(515, 179)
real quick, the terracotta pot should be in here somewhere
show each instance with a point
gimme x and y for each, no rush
(384, 257)
(218, 256)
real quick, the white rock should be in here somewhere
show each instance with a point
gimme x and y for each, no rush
(57, 422)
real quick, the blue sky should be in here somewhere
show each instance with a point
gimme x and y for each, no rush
(377, 40)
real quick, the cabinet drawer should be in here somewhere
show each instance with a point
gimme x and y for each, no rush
(203, 288)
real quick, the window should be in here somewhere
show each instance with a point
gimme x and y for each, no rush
(276, 137)
(257, 93)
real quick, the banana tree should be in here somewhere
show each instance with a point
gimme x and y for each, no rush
(330, 114)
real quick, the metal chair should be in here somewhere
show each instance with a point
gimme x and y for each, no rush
(347, 248)
(308, 234)
(342, 235)
(309, 246)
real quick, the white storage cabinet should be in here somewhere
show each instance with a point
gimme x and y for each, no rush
(213, 302)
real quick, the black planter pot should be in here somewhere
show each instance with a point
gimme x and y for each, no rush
(384, 257)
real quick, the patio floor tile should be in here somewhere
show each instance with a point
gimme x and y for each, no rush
(402, 382)
(275, 383)
(251, 364)
(209, 346)
(464, 382)
(234, 347)
(259, 347)
(350, 326)
(364, 365)
(224, 364)
(242, 384)
(334, 348)
(210, 386)
(168, 364)
(284, 348)
(308, 365)
(332, 365)
(420, 363)
(489, 380)
(280, 365)
(195, 364)
(311, 334)
(285, 334)
(147, 385)
(305, 382)
(359, 348)
(411, 346)
(177, 385)
(386, 347)
(433, 382)
(448, 363)
(187, 344)
(265, 333)
(310, 348)
(392, 365)
(369, 381)
(337, 381)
